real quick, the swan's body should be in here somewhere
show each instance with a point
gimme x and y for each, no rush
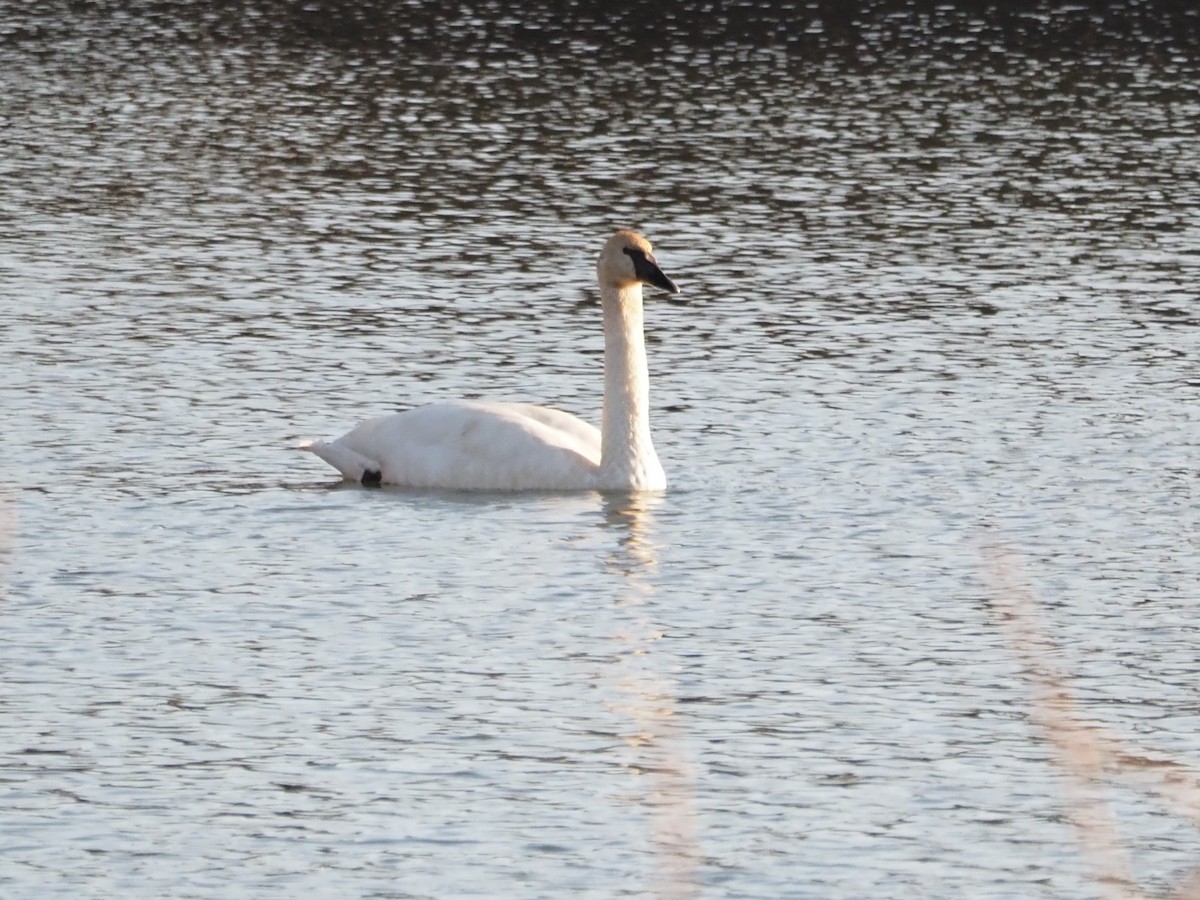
(468, 445)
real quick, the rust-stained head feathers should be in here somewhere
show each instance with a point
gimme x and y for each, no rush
(628, 258)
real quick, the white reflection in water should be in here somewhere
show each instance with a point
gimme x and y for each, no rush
(1091, 758)
(658, 756)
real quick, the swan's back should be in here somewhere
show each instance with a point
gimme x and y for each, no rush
(465, 445)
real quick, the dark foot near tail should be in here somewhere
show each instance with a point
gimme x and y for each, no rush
(372, 478)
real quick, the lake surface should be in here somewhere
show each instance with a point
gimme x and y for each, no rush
(940, 297)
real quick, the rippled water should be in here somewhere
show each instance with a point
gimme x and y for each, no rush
(940, 281)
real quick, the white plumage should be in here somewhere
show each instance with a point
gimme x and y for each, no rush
(468, 445)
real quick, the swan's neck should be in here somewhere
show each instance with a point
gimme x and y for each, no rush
(627, 457)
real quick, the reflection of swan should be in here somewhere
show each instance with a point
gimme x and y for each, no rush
(514, 446)
(631, 517)
(665, 783)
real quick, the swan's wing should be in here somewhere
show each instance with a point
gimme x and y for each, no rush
(564, 424)
(349, 462)
(473, 446)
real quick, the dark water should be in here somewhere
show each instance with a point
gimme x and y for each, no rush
(940, 272)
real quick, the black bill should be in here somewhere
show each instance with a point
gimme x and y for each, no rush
(647, 271)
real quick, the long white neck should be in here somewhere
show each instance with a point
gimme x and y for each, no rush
(627, 457)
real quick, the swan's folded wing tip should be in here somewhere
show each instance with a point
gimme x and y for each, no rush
(350, 463)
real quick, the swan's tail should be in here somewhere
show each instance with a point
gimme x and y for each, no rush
(352, 465)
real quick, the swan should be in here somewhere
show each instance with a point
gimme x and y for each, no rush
(469, 445)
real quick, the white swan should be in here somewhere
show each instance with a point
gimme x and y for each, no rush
(467, 445)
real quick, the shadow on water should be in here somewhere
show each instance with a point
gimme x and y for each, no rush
(447, 29)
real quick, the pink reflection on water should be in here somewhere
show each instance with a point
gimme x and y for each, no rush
(1090, 757)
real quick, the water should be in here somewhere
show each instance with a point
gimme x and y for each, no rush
(940, 294)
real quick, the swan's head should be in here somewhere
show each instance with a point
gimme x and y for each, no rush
(628, 259)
